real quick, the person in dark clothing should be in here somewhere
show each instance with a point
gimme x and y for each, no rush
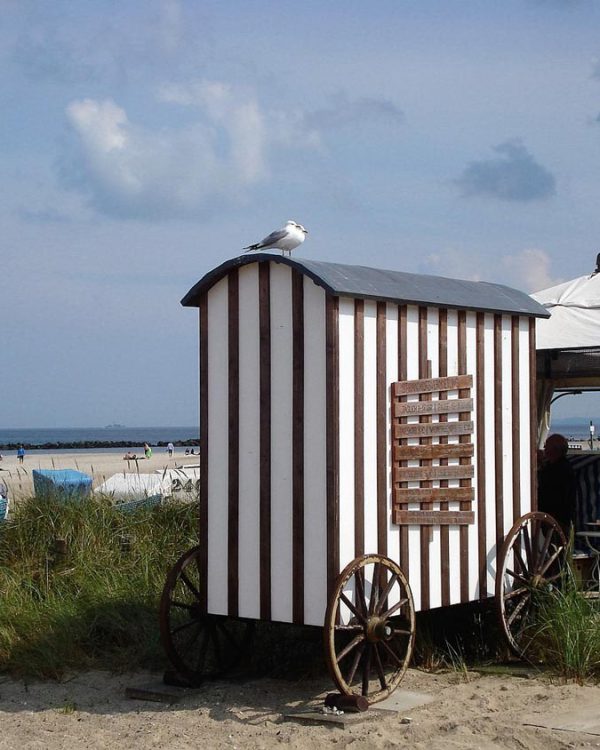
(556, 483)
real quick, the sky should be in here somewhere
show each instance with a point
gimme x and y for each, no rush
(144, 143)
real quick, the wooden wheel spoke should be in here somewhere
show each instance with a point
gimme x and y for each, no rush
(391, 652)
(544, 550)
(519, 559)
(518, 608)
(515, 592)
(557, 553)
(356, 641)
(349, 628)
(379, 667)
(528, 555)
(355, 663)
(385, 593)
(190, 585)
(374, 589)
(517, 577)
(181, 605)
(389, 612)
(366, 669)
(352, 608)
(399, 631)
(360, 592)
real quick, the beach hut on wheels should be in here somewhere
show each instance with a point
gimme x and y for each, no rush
(368, 442)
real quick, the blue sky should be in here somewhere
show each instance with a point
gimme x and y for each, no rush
(143, 143)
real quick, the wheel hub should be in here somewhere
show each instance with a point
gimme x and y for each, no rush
(379, 630)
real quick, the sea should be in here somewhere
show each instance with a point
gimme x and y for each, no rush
(54, 439)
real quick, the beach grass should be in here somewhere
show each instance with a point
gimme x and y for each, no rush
(80, 583)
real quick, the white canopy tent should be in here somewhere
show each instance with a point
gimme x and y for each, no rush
(568, 342)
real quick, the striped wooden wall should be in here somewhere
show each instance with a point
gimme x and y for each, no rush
(380, 343)
(263, 514)
(296, 442)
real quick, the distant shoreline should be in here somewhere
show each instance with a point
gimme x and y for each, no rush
(93, 444)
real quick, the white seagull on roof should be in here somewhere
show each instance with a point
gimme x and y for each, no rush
(286, 239)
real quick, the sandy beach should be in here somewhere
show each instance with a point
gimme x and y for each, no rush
(99, 465)
(91, 710)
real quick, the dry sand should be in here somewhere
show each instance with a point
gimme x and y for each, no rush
(100, 466)
(91, 711)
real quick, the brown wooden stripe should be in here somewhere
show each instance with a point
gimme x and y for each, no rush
(203, 493)
(264, 313)
(481, 509)
(233, 473)
(533, 424)
(464, 439)
(443, 440)
(423, 473)
(443, 518)
(442, 451)
(498, 436)
(298, 443)
(332, 440)
(381, 430)
(359, 427)
(402, 372)
(432, 494)
(425, 532)
(443, 406)
(516, 420)
(431, 385)
(428, 430)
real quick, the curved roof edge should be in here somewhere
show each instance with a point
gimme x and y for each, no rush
(393, 286)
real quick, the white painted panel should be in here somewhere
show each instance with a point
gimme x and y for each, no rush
(249, 432)
(391, 354)
(507, 432)
(281, 443)
(315, 466)
(218, 441)
(453, 531)
(473, 535)
(370, 427)
(412, 372)
(346, 396)
(526, 500)
(490, 447)
(435, 560)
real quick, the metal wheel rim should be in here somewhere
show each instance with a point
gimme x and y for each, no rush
(200, 646)
(532, 557)
(371, 596)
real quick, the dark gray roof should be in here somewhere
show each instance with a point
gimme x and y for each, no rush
(392, 286)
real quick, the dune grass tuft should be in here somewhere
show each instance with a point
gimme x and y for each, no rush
(80, 583)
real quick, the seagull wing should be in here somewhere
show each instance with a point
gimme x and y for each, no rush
(270, 240)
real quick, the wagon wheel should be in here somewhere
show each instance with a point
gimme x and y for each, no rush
(369, 628)
(531, 561)
(200, 646)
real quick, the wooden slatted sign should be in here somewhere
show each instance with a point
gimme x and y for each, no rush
(432, 459)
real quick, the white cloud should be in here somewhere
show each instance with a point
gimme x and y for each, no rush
(131, 171)
(530, 270)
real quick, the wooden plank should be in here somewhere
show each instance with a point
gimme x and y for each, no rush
(446, 406)
(402, 371)
(441, 451)
(431, 429)
(381, 429)
(425, 533)
(481, 499)
(432, 494)
(203, 492)
(298, 443)
(359, 427)
(332, 418)
(533, 427)
(463, 439)
(427, 473)
(498, 436)
(516, 419)
(431, 385)
(233, 473)
(443, 440)
(264, 314)
(433, 517)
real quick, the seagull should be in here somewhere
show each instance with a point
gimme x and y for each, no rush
(286, 239)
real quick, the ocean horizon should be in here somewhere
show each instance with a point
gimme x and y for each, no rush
(41, 436)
